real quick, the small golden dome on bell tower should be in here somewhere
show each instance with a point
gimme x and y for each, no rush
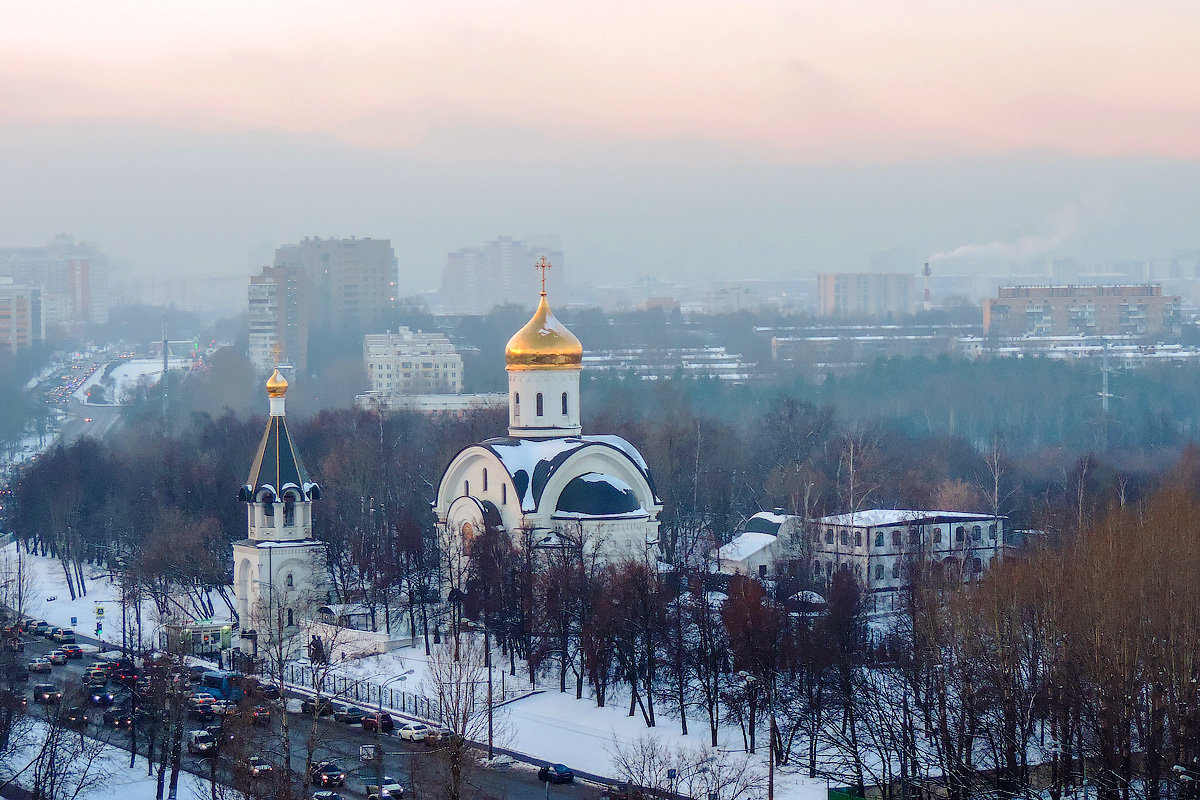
(277, 385)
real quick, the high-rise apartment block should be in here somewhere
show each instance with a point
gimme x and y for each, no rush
(866, 294)
(1130, 310)
(411, 362)
(278, 318)
(22, 322)
(73, 277)
(318, 287)
(477, 279)
(353, 281)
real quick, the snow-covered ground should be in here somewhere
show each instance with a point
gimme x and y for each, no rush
(126, 377)
(546, 725)
(54, 603)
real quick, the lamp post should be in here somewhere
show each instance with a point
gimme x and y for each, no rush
(403, 676)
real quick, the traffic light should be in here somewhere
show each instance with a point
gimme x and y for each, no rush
(99, 628)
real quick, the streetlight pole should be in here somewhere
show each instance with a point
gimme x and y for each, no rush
(378, 725)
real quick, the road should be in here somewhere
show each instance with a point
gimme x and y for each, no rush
(84, 420)
(328, 739)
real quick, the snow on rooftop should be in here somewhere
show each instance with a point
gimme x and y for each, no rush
(895, 516)
(744, 546)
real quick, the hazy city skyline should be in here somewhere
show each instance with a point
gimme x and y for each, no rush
(683, 141)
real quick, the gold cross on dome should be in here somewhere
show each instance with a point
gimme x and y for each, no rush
(543, 265)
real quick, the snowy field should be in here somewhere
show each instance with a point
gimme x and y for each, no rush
(126, 377)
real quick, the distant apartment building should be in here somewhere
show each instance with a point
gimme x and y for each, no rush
(866, 294)
(658, 363)
(352, 282)
(477, 279)
(73, 277)
(412, 363)
(22, 322)
(279, 312)
(1131, 310)
(830, 350)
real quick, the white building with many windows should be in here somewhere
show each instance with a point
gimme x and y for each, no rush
(876, 545)
(412, 363)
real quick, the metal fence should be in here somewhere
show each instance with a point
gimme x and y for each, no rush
(363, 692)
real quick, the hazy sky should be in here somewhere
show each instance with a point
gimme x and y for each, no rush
(654, 137)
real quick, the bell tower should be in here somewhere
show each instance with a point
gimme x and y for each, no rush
(279, 569)
(543, 361)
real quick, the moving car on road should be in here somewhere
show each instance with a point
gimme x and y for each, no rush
(117, 718)
(46, 693)
(64, 636)
(328, 773)
(56, 657)
(390, 788)
(259, 767)
(39, 665)
(201, 743)
(75, 717)
(72, 650)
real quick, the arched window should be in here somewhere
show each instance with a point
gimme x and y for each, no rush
(879, 572)
(504, 494)
(269, 506)
(845, 538)
(895, 538)
(879, 538)
(937, 535)
(564, 403)
(816, 568)
(485, 479)
(914, 536)
(992, 531)
(896, 571)
(467, 488)
(960, 534)
(539, 404)
(977, 533)
(291, 583)
(291, 622)
(977, 565)
(517, 403)
(289, 512)
(828, 568)
(829, 536)
(858, 538)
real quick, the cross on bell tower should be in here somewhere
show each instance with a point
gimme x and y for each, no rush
(544, 266)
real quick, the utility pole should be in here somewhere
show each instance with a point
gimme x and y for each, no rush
(166, 384)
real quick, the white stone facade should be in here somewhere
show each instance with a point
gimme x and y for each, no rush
(412, 363)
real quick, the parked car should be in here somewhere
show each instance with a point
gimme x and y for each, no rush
(310, 705)
(46, 693)
(556, 773)
(437, 734)
(325, 794)
(64, 636)
(351, 715)
(40, 627)
(50, 633)
(389, 788)
(39, 665)
(100, 697)
(328, 773)
(259, 767)
(201, 743)
(412, 731)
(117, 718)
(56, 657)
(72, 650)
(261, 715)
(381, 722)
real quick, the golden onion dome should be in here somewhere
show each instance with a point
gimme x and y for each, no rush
(277, 385)
(544, 343)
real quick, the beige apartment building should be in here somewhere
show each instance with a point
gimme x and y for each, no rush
(866, 294)
(1130, 310)
(22, 321)
(412, 363)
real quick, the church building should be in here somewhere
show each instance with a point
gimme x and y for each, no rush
(546, 483)
(279, 568)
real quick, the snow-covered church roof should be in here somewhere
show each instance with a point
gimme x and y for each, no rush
(532, 462)
(594, 495)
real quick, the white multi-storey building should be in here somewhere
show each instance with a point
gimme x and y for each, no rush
(412, 363)
(877, 545)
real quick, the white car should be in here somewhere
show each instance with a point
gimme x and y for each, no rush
(413, 731)
(390, 788)
(222, 706)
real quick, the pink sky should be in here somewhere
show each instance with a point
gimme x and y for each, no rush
(801, 81)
